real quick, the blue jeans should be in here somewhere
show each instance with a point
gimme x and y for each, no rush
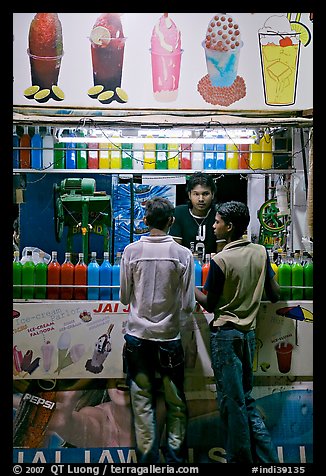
(145, 358)
(247, 438)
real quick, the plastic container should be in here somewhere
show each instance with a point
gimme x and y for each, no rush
(37, 150)
(80, 278)
(173, 156)
(41, 276)
(59, 155)
(71, 153)
(16, 153)
(267, 155)
(204, 271)
(93, 278)
(255, 156)
(67, 278)
(308, 271)
(25, 151)
(161, 156)
(115, 154)
(285, 278)
(297, 278)
(149, 155)
(232, 157)
(81, 159)
(54, 268)
(28, 277)
(104, 155)
(116, 277)
(185, 157)
(198, 271)
(93, 154)
(244, 154)
(197, 157)
(48, 149)
(105, 278)
(126, 156)
(220, 156)
(138, 157)
(209, 157)
(17, 276)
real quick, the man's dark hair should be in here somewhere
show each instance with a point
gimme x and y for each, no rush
(199, 178)
(236, 213)
(158, 211)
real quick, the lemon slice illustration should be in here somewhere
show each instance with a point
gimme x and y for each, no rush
(31, 91)
(305, 35)
(100, 36)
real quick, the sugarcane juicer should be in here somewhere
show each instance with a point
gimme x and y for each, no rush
(82, 209)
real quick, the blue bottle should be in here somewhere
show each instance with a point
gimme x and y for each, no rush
(71, 154)
(106, 278)
(198, 272)
(15, 143)
(209, 157)
(93, 278)
(220, 156)
(37, 150)
(116, 277)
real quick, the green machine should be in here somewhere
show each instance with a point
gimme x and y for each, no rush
(83, 210)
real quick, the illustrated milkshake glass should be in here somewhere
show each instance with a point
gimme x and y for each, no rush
(279, 54)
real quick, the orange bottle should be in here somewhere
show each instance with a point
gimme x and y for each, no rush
(53, 277)
(67, 277)
(80, 278)
(204, 271)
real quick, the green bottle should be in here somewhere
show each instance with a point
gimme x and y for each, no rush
(161, 156)
(17, 276)
(308, 276)
(297, 278)
(126, 156)
(28, 277)
(59, 155)
(284, 278)
(41, 273)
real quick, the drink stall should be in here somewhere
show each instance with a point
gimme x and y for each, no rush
(128, 106)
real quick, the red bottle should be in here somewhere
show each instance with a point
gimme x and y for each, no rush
(67, 277)
(204, 271)
(80, 278)
(53, 277)
(185, 159)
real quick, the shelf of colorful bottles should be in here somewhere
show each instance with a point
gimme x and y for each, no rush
(156, 171)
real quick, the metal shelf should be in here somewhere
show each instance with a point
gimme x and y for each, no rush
(154, 171)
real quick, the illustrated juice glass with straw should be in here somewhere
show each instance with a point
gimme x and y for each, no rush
(279, 54)
(166, 59)
(45, 49)
(107, 50)
(284, 356)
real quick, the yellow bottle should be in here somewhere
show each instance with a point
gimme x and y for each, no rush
(104, 156)
(267, 155)
(232, 157)
(255, 156)
(173, 156)
(115, 154)
(149, 154)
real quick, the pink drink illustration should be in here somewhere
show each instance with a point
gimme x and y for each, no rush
(45, 50)
(107, 50)
(102, 349)
(166, 59)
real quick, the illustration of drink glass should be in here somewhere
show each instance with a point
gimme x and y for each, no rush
(107, 63)
(284, 356)
(222, 66)
(279, 54)
(44, 70)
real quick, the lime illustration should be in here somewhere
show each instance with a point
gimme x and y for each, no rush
(305, 35)
(100, 36)
(31, 91)
(94, 91)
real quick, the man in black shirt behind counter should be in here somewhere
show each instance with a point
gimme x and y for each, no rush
(193, 225)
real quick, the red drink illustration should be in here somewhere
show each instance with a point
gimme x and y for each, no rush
(45, 50)
(166, 59)
(107, 49)
(284, 356)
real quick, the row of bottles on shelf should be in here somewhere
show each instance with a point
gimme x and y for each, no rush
(293, 272)
(43, 153)
(67, 280)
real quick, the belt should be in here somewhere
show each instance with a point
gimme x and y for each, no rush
(227, 326)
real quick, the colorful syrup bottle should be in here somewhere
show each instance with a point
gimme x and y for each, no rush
(80, 278)
(71, 153)
(17, 276)
(204, 270)
(149, 154)
(67, 278)
(54, 271)
(104, 155)
(198, 271)
(16, 153)
(92, 156)
(267, 155)
(138, 157)
(308, 275)
(274, 265)
(59, 155)
(220, 156)
(173, 156)
(81, 153)
(285, 278)
(197, 157)
(185, 157)
(37, 150)
(161, 156)
(232, 157)
(41, 276)
(28, 276)
(297, 277)
(244, 155)
(255, 156)
(105, 278)
(93, 278)
(126, 156)
(48, 152)
(115, 154)
(209, 157)
(25, 151)
(116, 277)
